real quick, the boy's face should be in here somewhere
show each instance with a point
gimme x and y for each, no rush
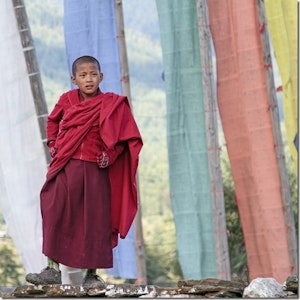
(87, 78)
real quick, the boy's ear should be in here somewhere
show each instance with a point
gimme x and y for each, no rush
(73, 79)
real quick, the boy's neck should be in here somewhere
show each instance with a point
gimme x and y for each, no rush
(81, 98)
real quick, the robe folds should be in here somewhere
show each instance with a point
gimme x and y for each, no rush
(116, 124)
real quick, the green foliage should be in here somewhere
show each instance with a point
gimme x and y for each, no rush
(162, 264)
(235, 238)
(293, 183)
(10, 268)
(292, 177)
(2, 222)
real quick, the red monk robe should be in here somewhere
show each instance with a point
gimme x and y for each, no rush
(114, 193)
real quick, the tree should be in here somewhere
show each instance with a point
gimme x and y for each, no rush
(9, 268)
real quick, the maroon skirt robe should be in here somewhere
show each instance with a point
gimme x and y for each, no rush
(76, 216)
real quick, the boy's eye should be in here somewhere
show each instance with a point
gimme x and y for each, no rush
(84, 75)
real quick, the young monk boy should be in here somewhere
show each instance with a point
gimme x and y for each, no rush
(90, 196)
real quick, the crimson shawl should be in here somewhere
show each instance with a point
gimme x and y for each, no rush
(116, 124)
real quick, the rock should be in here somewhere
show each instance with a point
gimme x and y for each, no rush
(126, 290)
(164, 292)
(212, 287)
(49, 291)
(291, 284)
(96, 292)
(65, 290)
(28, 290)
(264, 288)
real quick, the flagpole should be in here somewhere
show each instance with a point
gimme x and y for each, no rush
(210, 104)
(33, 70)
(139, 241)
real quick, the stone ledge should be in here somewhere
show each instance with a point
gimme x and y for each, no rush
(204, 288)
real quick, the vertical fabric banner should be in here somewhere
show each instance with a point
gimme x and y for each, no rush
(90, 29)
(22, 159)
(186, 138)
(244, 110)
(282, 21)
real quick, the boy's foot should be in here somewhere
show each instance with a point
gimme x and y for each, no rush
(93, 281)
(46, 276)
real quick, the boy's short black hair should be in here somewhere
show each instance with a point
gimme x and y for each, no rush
(85, 59)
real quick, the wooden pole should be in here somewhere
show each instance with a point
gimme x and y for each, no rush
(33, 70)
(210, 104)
(74, 275)
(139, 241)
(280, 156)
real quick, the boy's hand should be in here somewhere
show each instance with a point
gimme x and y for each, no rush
(52, 149)
(103, 160)
(108, 157)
